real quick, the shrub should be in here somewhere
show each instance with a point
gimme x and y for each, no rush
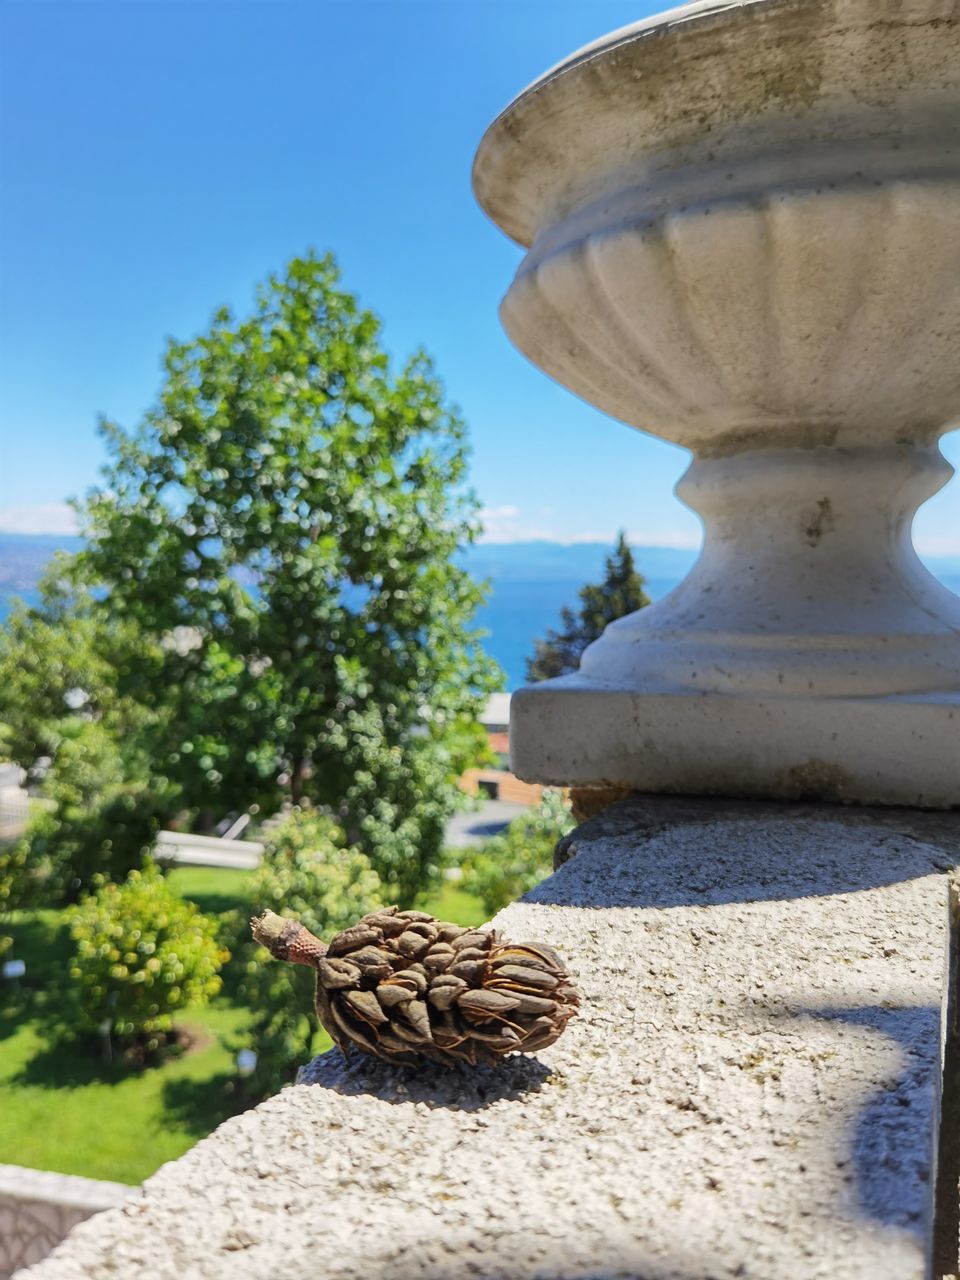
(309, 874)
(95, 819)
(510, 864)
(19, 885)
(142, 955)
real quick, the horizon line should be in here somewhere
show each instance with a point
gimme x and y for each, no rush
(649, 542)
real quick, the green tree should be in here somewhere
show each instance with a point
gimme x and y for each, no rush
(58, 661)
(282, 525)
(308, 874)
(621, 592)
(101, 800)
(504, 868)
(99, 813)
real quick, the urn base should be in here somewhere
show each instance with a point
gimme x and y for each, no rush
(902, 750)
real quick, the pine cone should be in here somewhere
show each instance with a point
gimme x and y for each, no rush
(404, 986)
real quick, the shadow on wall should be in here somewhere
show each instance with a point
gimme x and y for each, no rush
(893, 1125)
(892, 1132)
(741, 851)
(454, 1088)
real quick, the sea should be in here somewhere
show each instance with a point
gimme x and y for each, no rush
(517, 613)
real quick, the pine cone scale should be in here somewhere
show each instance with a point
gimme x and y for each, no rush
(338, 973)
(353, 939)
(534, 1005)
(365, 1003)
(410, 1034)
(416, 1013)
(392, 993)
(523, 976)
(445, 990)
(531, 955)
(413, 978)
(486, 1003)
(339, 1024)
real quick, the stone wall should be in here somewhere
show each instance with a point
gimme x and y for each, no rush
(38, 1209)
(753, 1088)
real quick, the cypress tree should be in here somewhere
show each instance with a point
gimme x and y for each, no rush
(621, 592)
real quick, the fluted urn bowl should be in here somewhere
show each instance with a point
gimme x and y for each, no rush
(742, 225)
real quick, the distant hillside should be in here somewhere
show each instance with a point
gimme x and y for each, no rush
(23, 556)
(530, 583)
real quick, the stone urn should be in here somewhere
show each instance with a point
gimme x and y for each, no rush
(742, 234)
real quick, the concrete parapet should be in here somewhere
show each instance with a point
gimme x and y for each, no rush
(753, 1088)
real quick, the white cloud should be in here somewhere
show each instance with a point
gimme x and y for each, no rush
(504, 524)
(49, 517)
(505, 512)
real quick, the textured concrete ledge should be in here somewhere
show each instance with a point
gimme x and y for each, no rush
(752, 1090)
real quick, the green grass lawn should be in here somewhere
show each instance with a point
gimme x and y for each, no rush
(64, 1110)
(451, 903)
(216, 889)
(213, 889)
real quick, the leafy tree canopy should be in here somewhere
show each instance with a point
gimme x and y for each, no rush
(101, 799)
(280, 528)
(58, 664)
(621, 592)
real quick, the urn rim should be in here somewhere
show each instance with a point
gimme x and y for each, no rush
(529, 156)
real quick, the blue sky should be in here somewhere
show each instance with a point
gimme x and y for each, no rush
(158, 159)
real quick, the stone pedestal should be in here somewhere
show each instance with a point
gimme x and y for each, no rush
(742, 225)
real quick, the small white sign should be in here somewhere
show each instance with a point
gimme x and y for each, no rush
(14, 969)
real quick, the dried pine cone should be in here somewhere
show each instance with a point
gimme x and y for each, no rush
(404, 986)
